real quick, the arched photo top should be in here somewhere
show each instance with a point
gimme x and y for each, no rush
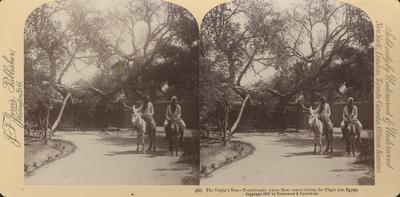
(87, 64)
(287, 66)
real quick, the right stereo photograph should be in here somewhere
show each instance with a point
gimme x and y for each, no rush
(286, 94)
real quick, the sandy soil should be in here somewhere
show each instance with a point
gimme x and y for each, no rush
(110, 158)
(289, 159)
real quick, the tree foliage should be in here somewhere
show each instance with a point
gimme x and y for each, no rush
(136, 47)
(315, 47)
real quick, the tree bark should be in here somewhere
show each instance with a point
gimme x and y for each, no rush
(55, 124)
(225, 126)
(233, 128)
(244, 71)
(47, 125)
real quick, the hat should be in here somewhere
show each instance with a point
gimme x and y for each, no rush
(350, 99)
(146, 97)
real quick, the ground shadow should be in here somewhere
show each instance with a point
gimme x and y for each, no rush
(171, 169)
(330, 155)
(126, 139)
(157, 153)
(326, 155)
(299, 154)
(117, 140)
(130, 152)
(151, 154)
(131, 140)
(298, 142)
(339, 146)
(350, 170)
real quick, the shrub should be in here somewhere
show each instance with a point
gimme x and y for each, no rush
(367, 151)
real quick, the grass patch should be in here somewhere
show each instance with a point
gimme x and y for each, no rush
(38, 154)
(191, 153)
(215, 155)
(367, 152)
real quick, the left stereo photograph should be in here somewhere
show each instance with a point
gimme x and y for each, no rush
(111, 94)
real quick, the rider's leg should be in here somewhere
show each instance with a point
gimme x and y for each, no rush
(358, 133)
(182, 127)
(140, 140)
(315, 144)
(329, 134)
(172, 143)
(147, 131)
(320, 145)
(346, 135)
(331, 139)
(153, 128)
(325, 132)
(352, 144)
(348, 142)
(166, 127)
(343, 129)
(153, 133)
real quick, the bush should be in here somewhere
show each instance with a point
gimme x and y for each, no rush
(191, 150)
(367, 151)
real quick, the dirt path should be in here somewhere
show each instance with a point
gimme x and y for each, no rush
(111, 158)
(288, 159)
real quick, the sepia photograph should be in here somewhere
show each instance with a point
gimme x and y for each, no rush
(111, 94)
(286, 94)
(238, 98)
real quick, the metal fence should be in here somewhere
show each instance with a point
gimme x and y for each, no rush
(266, 117)
(115, 115)
(255, 117)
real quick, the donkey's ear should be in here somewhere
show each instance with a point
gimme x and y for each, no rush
(134, 107)
(310, 109)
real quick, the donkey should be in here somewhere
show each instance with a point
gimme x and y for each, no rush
(329, 138)
(316, 127)
(151, 131)
(140, 125)
(174, 135)
(352, 137)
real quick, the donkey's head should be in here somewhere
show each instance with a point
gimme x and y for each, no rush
(174, 129)
(135, 114)
(312, 116)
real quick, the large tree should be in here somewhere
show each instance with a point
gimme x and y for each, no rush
(315, 46)
(144, 36)
(236, 37)
(135, 48)
(51, 48)
(326, 39)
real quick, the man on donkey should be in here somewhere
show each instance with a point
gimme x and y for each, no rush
(350, 113)
(324, 114)
(147, 111)
(172, 114)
